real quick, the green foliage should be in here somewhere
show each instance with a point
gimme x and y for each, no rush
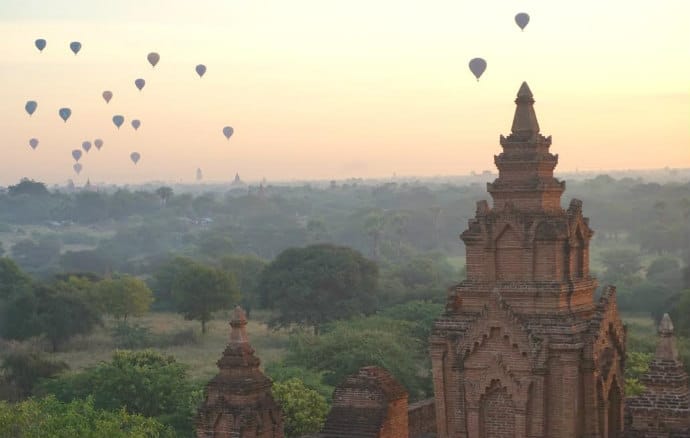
(131, 336)
(28, 187)
(23, 369)
(680, 313)
(49, 312)
(280, 372)
(125, 296)
(94, 261)
(214, 244)
(305, 409)
(136, 336)
(247, 271)
(38, 254)
(320, 283)
(12, 280)
(142, 382)
(200, 290)
(165, 193)
(636, 364)
(83, 286)
(620, 262)
(164, 279)
(48, 417)
(346, 346)
(421, 313)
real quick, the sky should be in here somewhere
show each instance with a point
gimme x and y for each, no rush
(324, 89)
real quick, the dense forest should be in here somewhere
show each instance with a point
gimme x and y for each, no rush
(113, 300)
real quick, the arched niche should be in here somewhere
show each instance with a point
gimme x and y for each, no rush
(496, 412)
(509, 255)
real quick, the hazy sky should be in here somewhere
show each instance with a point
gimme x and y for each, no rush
(335, 89)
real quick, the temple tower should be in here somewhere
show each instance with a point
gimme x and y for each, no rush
(523, 349)
(238, 402)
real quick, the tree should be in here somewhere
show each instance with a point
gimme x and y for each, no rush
(48, 312)
(28, 186)
(92, 260)
(164, 193)
(636, 364)
(23, 369)
(48, 417)
(12, 280)
(214, 244)
(247, 271)
(165, 276)
(346, 346)
(36, 254)
(142, 382)
(125, 295)
(620, 262)
(320, 283)
(201, 290)
(305, 410)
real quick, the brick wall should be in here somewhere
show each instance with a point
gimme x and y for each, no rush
(422, 419)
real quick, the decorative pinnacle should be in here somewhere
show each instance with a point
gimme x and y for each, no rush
(666, 326)
(666, 349)
(525, 120)
(238, 333)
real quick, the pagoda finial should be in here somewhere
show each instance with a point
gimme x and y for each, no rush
(525, 120)
(666, 350)
(238, 323)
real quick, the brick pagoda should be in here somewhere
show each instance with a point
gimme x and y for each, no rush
(238, 402)
(663, 409)
(523, 349)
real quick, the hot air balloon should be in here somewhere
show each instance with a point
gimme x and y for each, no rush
(228, 131)
(98, 143)
(140, 83)
(477, 67)
(65, 113)
(77, 168)
(136, 123)
(200, 69)
(75, 46)
(153, 58)
(86, 146)
(522, 19)
(76, 154)
(33, 143)
(31, 106)
(134, 156)
(107, 95)
(118, 121)
(40, 44)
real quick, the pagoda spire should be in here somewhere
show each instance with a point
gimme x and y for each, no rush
(525, 122)
(666, 349)
(525, 167)
(238, 324)
(238, 401)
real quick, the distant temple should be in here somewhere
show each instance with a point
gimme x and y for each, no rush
(237, 181)
(523, 349)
